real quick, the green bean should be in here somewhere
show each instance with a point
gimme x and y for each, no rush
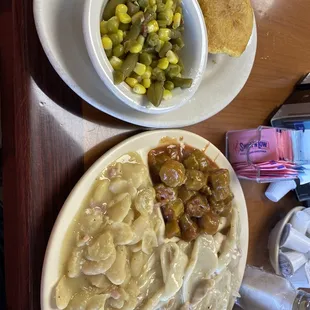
(137, 18)
(132, 8)
(169, 85)
(128, 45)
(109, 53)
(173, 70)
(148, 49)
(162, 23)
(115, 39)
(146, 58)
(179, 10)
(133, 33)
(124, 27)
(166, 47)
(113, 24)
(176, 48)
(155, 93)
(109, 10)
(175, 33)
(179, 42)
(152, 39)
(118, 50)
(126, 68)
(154, 63)
(181, 65)
(149, 15)
(182, 82)
(158, 75)
(143, 3)
(118, 77)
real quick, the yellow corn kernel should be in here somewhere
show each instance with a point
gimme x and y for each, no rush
(164, 34)
(148, 72)
(140, 68)
(169, 4)
(131, 81)
(163, 63)
(139, 89)
(136, 48)
(152, 2)
(116, 63)
(169, 14)
(176, 20)
(146, 83)
(106, 42)
(120, 34)
(121, 8)
(104, 27)
(152, 26)
(141, 39)
(124, 18)
(173, 58)
(137, 16)
(159, 45)
(167, 94)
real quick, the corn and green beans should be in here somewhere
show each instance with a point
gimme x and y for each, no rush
(142, 39)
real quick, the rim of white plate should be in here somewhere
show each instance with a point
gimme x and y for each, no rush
(142, 142)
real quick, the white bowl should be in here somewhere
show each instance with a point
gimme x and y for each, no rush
(142, 144)
(194, 59)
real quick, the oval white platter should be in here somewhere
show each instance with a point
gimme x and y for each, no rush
(141, 143)
(59, 26)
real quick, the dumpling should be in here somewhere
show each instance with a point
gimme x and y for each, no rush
(153, 301)
(133, 291)
(101, 248)
(117, 273)
(158, 226)
(118, 302)
(97, 302)
(137, 262)
(75, 263)
(122, 233)
(149, 241)
(144, 201)
(138, 227)
(79, 301)
(218, 296)
(129, 217)
(64, 293)
(173, 263)
(100, 267)
(119, 208)
(91, 221)
(101, 193)
(100, 281)
(219, 240)
(202, 264)
(137, 174)
(118, 186)
(229, 246)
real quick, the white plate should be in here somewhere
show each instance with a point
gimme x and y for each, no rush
(141, 143)
(59, 25)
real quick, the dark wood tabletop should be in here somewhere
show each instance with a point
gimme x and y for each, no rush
(50, 136)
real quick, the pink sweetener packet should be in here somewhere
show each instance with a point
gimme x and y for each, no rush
(260, 151)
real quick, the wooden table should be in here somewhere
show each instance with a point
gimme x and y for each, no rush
(50, 136)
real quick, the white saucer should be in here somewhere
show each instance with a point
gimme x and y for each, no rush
(59, 25)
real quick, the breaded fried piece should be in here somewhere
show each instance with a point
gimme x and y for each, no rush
(229, 25)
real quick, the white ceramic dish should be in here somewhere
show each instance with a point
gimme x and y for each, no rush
(141, 143)
(275, 237)
(194, 59)
(59, 25)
